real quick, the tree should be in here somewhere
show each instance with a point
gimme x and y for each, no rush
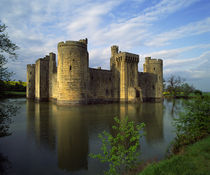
(174, 84)
(187, 89)
(120, 151)
(7, 48)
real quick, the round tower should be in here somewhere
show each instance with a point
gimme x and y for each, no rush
(72, 75)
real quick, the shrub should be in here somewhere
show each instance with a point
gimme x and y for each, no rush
(120, 151)
(194, 122)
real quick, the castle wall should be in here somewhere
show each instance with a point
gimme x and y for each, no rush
(52, 71)
(54, 87)
(147, 83)
(72, 75)
(100, 86)
(42, 79)
(30, 90)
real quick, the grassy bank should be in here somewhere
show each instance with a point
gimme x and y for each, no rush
(195, 160)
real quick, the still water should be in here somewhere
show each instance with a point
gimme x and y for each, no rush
(50, 139)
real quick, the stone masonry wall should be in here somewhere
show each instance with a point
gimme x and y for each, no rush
(72, 75)
(30, 90)
(155, 66)
(42, 79)
(147, 83)
(100, 86)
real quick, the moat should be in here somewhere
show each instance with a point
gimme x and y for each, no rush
(51, 139)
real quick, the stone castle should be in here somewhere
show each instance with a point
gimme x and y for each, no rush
(72, 81)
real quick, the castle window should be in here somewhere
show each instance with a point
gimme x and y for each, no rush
(70, 68)
(110, 79)
(154, 68)
(153, 87)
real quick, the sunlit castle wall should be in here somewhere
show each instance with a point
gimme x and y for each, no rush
(30, 90)
(72, 73)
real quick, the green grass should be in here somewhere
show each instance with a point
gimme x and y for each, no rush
(13, 83)
(194, 161)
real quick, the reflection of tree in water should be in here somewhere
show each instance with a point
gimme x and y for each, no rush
(5, 164)
(7, 111)
(174, 106)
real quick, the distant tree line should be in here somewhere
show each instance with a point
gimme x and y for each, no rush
(18, 86)
(177, 87)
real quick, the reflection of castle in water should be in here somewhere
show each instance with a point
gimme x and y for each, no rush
(72, 138)
(47, 122)
(40, 124)
(149, 113)
(67, 129)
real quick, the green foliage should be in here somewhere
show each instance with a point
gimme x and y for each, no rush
(175, 86)
(120, 151)
(194, 161)
(7, 47)
(194, 122)
(187, 89)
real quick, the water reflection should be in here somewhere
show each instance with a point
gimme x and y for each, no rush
(72, 131)
(149, 113)
(72, 138)
(40, 124)
(64, 127)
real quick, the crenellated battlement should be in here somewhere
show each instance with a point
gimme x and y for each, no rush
(148, 60)
(80, 43)
(127, 57)
(30, 66)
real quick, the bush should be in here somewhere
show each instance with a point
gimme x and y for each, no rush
(194, 122)
(120, 151)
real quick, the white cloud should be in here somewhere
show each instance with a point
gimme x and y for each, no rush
(194, 28)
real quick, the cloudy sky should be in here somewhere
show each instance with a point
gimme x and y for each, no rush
(177, 31)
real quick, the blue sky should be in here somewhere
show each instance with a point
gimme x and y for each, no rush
(177, 31)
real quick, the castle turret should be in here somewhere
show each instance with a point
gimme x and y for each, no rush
(72, 75)
(30, 90)
(114, 51)
(127, 64)
(155, 66)
(42, 79)
(52, 71)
